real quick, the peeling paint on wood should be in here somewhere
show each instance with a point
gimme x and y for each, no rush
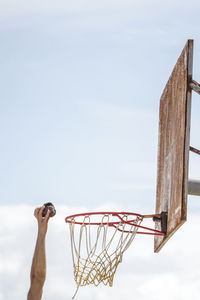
(173, 146)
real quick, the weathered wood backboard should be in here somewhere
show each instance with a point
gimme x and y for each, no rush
(173, 146)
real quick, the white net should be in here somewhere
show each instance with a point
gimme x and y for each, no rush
(98, 244)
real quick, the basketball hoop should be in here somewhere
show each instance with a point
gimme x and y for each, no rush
(98, 241)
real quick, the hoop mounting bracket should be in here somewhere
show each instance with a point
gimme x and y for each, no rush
(195, 86)
(163, 219)
(197, 151)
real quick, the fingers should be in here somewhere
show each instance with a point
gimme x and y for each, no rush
(38, 214)
(36, 211)
(46, 218)
(41, 211)
(42, 221)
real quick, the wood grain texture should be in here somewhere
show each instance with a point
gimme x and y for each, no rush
(173, 146)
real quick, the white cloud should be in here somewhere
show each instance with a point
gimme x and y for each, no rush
(173, 273)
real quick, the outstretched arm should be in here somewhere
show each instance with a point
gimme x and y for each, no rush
(38, 269)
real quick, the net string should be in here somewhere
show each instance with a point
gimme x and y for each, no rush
(100, 267)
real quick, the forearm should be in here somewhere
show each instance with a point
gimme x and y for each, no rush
(38, 269)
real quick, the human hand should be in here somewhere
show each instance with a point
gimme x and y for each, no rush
(42, 222)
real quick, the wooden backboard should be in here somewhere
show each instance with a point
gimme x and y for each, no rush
(173, 146)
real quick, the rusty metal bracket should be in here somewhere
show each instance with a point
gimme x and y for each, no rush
(194, 187)
(194, 150)
(163, 219)
(195, 86)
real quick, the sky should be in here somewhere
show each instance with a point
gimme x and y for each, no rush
(79, 100)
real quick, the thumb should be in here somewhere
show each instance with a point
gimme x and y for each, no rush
(46, 218)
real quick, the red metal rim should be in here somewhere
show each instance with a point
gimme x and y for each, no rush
(150, 231)
(69, 218)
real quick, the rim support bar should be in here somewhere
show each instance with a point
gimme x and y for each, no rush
(194, 150)
(163, 220)
(194, 187)
(195, 86)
